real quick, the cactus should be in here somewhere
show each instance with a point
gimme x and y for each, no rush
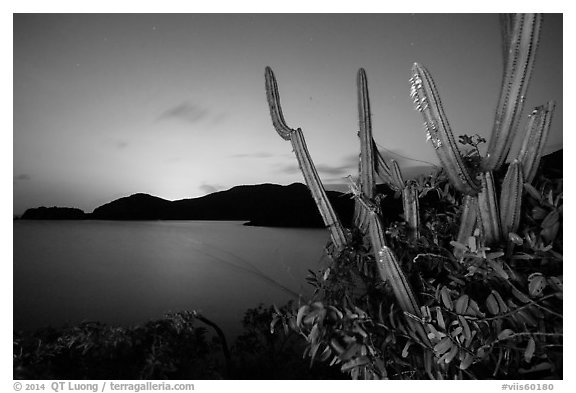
(427, 101)
(467, 222)
(511, 198)
(523, 31)
(367, 211)
(296, 137)
(367, 161)
(536, 135)
(411, 210)
(368, 164)
(489, 215)
(520, 35)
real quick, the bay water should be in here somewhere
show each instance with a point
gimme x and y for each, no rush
(128, 272)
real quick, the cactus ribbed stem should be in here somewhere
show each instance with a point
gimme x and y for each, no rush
(535, 139)
(511, 198)
(411, 211)
(367, 161)
(488, 209)
(273, 98)
(427, 100)
(467, 222)
(307, 167)
(506, 30)
(519, 64)
(391, 272)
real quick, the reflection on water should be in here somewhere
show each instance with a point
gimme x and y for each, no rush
(129, 272)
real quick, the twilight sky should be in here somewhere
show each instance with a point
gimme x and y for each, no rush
(107, 105)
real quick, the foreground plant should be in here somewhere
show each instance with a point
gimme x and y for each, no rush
(478, 312)
(521, 34)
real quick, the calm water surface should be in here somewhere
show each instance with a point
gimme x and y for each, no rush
(128, 272)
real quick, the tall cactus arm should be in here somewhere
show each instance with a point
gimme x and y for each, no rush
(511, 198)
(506, 30)
(273, 98)
(307, 167)
(489, 216)
(519, 64)
(390, 271)
(367, 161)
(535, 139)
(425, 95)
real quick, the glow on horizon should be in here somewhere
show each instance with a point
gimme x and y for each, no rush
(173, 104)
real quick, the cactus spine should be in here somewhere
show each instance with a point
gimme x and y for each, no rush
(296, 137)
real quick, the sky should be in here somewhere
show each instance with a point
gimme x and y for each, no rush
(173, 105)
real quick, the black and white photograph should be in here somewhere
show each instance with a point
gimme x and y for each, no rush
(287, 196)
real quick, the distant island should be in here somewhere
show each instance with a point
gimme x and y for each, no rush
(259, 205)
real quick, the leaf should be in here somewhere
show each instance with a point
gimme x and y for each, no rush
(556, 283)
(519, 295)
(515, 239)
(466, 329)
(539, 213)
(462, 304)
(444, 345)
(446, 299)
(529, 188)
(450, 355)
(406, 347)
(350, 352)
(529, 351)
(501, 303)
(504, 334)
(301, 311)
(355, 363)
(275, 320)
(536, 284)
(440, 318)
(467, 361)
(473, 309)
(457, 245)
(551, 219)
(497, 267)
(492, 304)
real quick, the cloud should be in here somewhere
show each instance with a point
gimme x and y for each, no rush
(121, 144)
(341, 171)
(185, 111)
(22, 176)
(210, 188)
(115, 143)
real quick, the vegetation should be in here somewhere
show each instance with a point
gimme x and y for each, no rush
(467, 287)
(178, 346)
